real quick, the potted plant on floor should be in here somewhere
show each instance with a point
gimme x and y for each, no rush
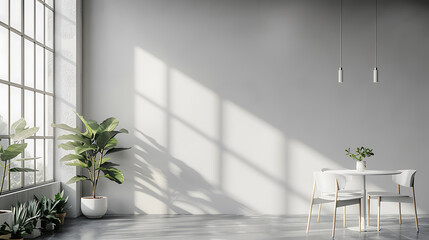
(47, 214)
(19, 132)
(60, 202)
(360, 154)
(90, 152)
(34, 212)
(21, 223)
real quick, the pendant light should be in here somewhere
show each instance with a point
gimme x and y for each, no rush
(375, 71)
(340, 69)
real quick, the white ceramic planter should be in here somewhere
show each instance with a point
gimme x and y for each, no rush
(5, 216)
(93, 208)
(361, 165)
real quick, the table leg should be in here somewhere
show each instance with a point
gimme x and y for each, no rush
(363, 210)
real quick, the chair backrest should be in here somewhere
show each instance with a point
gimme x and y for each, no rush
(353, 183)
(405, 178)
(325, 182)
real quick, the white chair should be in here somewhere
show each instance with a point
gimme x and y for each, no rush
(405, 179)
(329, 186)
(354, 185)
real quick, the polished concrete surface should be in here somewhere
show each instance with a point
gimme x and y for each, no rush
(218, 227)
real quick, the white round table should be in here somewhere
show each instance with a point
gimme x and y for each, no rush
(364, 174)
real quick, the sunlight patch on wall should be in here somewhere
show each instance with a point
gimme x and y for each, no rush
(254, 159)
(195, 104)
(150, 76)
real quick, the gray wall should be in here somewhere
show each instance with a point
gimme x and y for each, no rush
(231, 105)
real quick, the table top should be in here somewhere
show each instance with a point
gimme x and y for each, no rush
(364, 173)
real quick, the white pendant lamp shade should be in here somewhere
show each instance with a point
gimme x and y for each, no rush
(375, 75)
(340, 75)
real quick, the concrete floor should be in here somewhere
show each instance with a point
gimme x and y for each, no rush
(217, 227)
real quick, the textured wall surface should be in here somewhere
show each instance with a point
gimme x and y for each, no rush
(231, 105)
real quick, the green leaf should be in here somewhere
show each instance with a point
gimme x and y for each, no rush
(12, 151)
(18, 126)
(77, 179)
(77, 163)
(94, 125)
(84, 148)
(111, 143)
(114, 133)
(69, 145)
(102, 139)
(70, 157)
(23, 134)
(17, 169)
(106, 165)
(67, 128)
(25, 159)
(108, 125)
(113, 174)
(113, 150)
(104, 159)
(89, 131)
(75, 137)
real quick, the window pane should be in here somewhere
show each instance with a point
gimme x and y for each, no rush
(29, 107)
(49, 72)
(4, 10)
(28, 63)
(49, 155)
(39, 67)
(40, 164)
(49, 28)
(4, 62)
(4, 143)
(50, 2)
(40, 31)
(15, 58)
(49, 115)
(29, 153)
(4, 104)
(15, 104)
(15, 177)
(40, 114)
(15, 14)
(29, 17)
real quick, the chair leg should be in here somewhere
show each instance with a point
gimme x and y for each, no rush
(334, 219)
(369, 209)
(318, 214)
(378, 215)
(415, 210)
(360, 214)
(309, 215)
(399, 203)
(311, 206)
(344, 217)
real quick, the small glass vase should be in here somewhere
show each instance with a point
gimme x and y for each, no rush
(360, 165)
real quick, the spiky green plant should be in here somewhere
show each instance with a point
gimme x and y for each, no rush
(91, 148)
(33, 210)
(47, 210)
(60, 202)
(19, 132)
(22, 223)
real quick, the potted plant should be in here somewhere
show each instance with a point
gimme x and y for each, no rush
(60, 202)
(360, 154)
(90, 152)
(19, 132)
(21, 223)
(47, 214)
(34, 212)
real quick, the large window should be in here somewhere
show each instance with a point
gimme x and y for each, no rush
(27, 83)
